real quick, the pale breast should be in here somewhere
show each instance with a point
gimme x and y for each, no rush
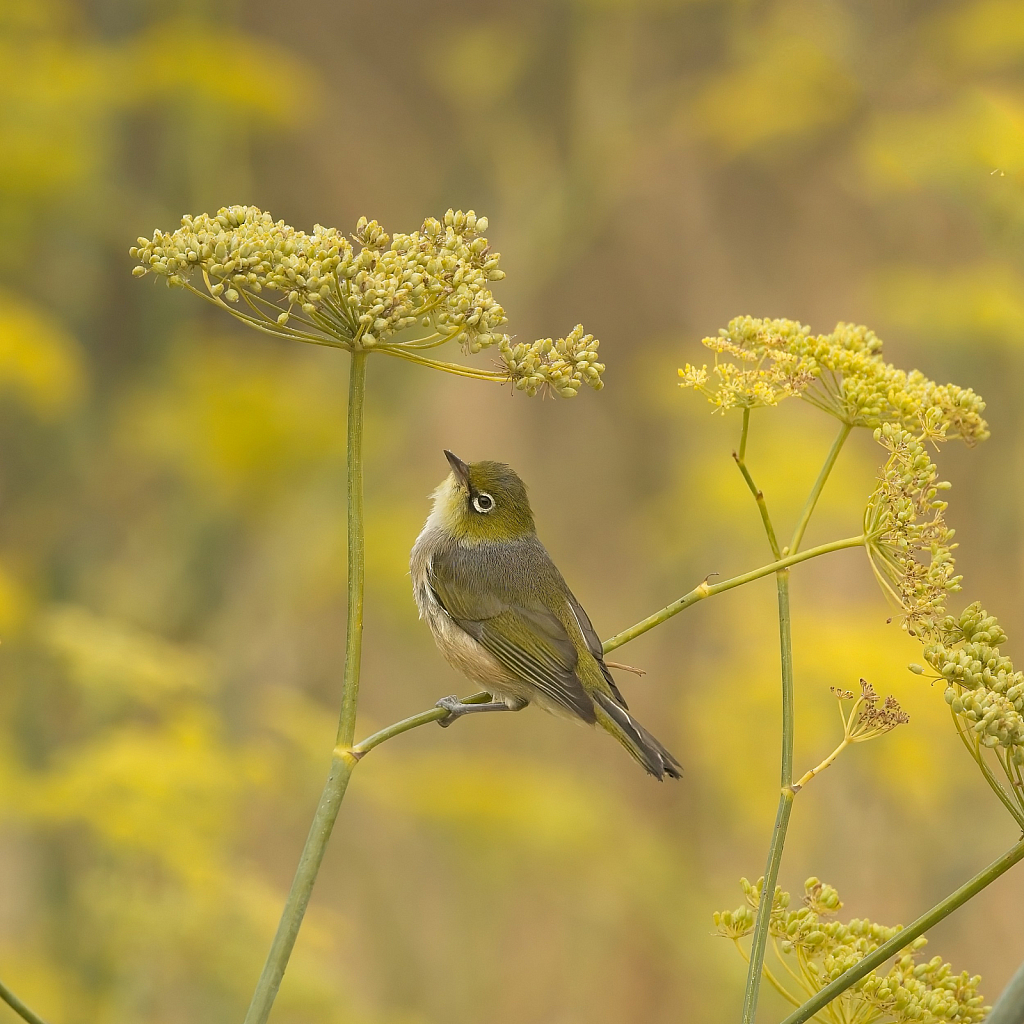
(460, 650)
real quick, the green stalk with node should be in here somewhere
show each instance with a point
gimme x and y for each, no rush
(402, 296)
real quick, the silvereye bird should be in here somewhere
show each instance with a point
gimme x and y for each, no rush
(503, 616)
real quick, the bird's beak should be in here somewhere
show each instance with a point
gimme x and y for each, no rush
(459, 468)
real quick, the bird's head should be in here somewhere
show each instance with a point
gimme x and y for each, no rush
(483, 501)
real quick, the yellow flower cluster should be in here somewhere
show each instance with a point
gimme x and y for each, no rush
(563, 365)
(814, 949)
(766, 364)
(909, 544)
(842, 373)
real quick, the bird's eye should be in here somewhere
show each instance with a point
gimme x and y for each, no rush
(483, 502)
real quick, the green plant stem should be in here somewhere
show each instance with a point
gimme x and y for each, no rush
(775, 983)
(759, 940)
(18, 1006)
(974, 750)
(343, 759)
(819, 486)
(423, 718)
(356, 555)
(708, 590)
(928, 920)
(1009, 1008)
(762, 507)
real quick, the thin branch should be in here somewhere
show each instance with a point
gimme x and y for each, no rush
(456, 368)
(414, 722)
(18, 1006)
(975, 751)
(818, 768)
(256, 302)
(819, 485)
(782, 814)
(626, 668)
(434, 340)
(787, 792)
(260, 323)
(762, 507)
(356, 559)
(802, 982)
(708, 590)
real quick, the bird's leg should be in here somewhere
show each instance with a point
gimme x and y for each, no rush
(456, 709)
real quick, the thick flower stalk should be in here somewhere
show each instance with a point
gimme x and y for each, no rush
(812, 949)
(402, 294)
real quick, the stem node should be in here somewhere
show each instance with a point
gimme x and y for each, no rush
(350, 755)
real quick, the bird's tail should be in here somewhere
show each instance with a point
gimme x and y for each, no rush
(635, 738)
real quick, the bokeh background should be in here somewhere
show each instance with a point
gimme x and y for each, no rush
(172, 558)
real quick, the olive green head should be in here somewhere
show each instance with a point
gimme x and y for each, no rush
(483, 501)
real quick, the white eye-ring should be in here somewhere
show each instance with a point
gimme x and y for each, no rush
(483, 502)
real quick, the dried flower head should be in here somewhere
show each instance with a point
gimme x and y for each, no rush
(870, 716)
(909, 544)
(814, 949)
(986, 697)
(842, 373)
(402, 294)
(865, 720)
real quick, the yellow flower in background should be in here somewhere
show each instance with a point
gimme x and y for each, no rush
(41, 364)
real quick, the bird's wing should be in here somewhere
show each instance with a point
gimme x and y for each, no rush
(594, 645)
(526, 639)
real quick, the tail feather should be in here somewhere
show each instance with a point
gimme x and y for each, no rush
(635, 738)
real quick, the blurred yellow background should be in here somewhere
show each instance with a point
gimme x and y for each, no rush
(172, 559)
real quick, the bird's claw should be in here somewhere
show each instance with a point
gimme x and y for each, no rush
(449, 704)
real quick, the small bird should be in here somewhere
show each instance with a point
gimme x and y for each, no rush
(503, 616)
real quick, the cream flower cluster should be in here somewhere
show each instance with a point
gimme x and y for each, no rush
(401, 294)
(563, 365)
(365, 293)
(815, 948)
(984, 692)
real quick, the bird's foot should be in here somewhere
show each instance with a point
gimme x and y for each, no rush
(456, 708)
(453, 706)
